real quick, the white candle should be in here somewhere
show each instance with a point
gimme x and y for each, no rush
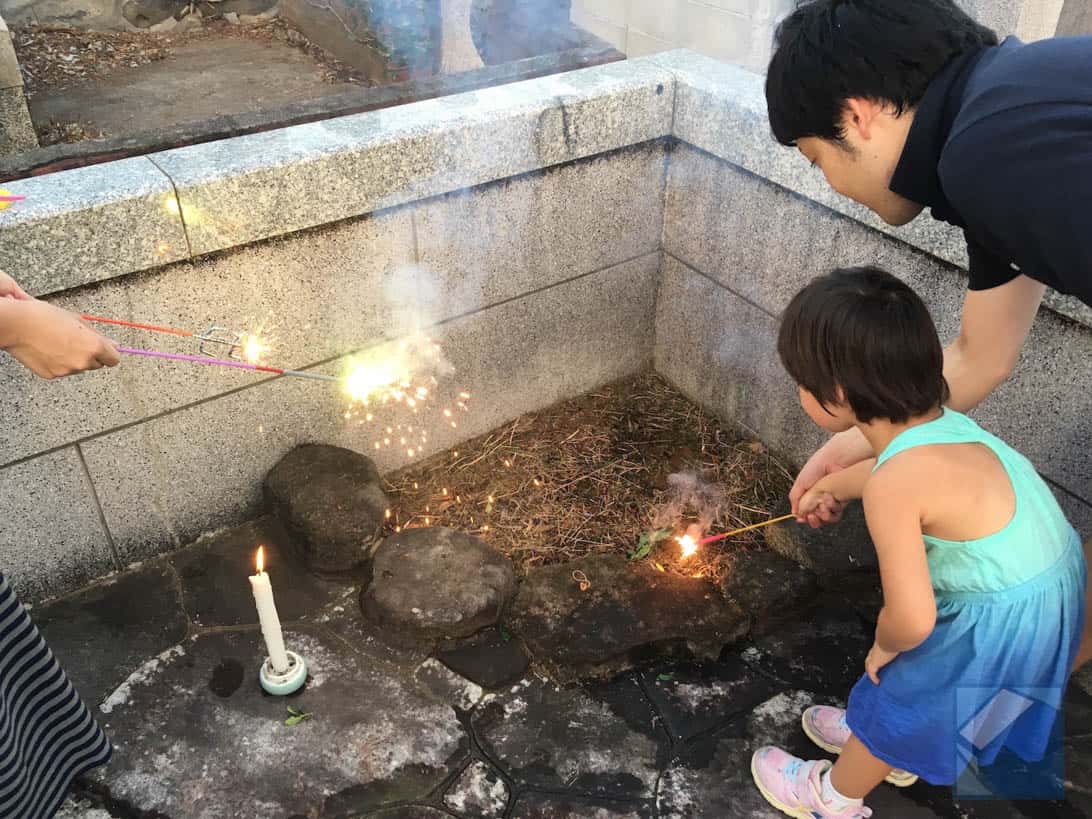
(267, 616)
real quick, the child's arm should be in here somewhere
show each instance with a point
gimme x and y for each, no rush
(892, 502)
(844, 485)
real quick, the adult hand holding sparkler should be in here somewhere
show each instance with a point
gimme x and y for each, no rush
(48, 341)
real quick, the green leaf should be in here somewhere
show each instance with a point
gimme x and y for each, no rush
(296, 716)
(647, 541)
(665, 677)
(294, 711)
(505, 634)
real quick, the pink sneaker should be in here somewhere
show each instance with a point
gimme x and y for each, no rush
(792, 786)
(826, 727)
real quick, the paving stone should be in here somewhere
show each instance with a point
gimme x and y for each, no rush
(492, 658)
(541, 806)
(185, 750)
(101, 634)
(409, 812)
(823, 650)
(713, 779)
(626, 699)
(549, 737)
(769, 587)
(435, 584)
(366, 638)
(630, 613)
(695, 699)
(332, 501)
(479, 791)
(447, 686)
(214, 575)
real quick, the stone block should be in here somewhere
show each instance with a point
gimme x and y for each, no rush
(89, 224)
(266, 184)
(54, 540)
(721, 351)
(164, 481)
(587, 17)
(333, 291)
(10, 75)
(542, 228)
(16, 130)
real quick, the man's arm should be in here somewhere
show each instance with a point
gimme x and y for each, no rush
(994, 325)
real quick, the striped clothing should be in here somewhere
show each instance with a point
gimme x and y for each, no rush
(47, 735)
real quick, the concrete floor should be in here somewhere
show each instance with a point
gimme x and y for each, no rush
(200, 80)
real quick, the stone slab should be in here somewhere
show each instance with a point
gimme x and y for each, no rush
(17, 133)
(479, 791)
(542, 806)
(549, 737)
(213, 575)
(543, 228)
(335, 290)
(492, 659)
(52, 536)
(101, 634)
(157, 487)
(184, 749)
(253, 187)
(721, 351)
(721, 109)
(89, 224)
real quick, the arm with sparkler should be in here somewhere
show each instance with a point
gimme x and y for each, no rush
(842, 486)
(48, 341)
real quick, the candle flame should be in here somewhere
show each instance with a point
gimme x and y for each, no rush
(688, 545)
(260, 559)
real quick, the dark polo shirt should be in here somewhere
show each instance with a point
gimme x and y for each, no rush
(1001, 146)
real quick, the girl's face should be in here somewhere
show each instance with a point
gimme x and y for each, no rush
(832, 418)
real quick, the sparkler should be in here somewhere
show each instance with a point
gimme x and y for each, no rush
(223, 362)
(735, 532)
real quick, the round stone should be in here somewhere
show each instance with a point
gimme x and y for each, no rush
(435, 584)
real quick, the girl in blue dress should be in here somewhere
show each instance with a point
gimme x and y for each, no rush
(983, 577)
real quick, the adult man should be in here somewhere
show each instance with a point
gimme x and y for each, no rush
(907, 104)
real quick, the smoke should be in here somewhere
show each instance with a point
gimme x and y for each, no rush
(691, 498)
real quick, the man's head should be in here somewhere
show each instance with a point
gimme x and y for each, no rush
(845, 78)
(862, 346)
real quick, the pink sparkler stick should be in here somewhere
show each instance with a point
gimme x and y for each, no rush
(222, 362)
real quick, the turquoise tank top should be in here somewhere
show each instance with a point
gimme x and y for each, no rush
(1033, 541)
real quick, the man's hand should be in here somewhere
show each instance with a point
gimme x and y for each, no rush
(49, 341)
(841, 452)
(877, 658)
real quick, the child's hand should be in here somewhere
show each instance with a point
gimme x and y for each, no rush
(817, 501)
(9, 289)
(877, 658)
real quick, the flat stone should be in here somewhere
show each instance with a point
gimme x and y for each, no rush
(549, 737)
(367, 638)
(541, 806)
(214, 571)
(410, 812)
(479, 791)
(843, 547)
(492, 658)
(102, 633)
(769, 587)
(696, 699)
(713, 779)
(17, 134)
(79, 808)
(824, 650)
(147, 13)
(332, 501)
(185, 746)
(630, 613)
(447, 686)
(89, 224)
(626, 699)
(433, 584)
(347, 166)
(54, 540)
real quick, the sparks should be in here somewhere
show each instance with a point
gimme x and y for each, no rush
(255, 346)
(688, 545)
(387, 514)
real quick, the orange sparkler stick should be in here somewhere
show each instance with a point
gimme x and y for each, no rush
(727, 535)
(152, 327)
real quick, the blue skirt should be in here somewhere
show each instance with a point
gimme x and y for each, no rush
(992, 674)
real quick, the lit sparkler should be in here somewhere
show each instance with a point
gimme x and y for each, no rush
(687, 545)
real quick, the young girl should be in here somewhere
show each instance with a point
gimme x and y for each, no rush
(983, 577)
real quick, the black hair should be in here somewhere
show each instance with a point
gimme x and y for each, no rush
(828, 51)
(864, 332)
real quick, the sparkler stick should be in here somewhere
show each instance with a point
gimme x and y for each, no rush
(155, 328)
(223, 362)
(727, 535)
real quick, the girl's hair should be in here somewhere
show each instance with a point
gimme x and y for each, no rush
(865, 332)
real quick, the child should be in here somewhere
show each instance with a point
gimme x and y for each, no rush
(983, 577)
